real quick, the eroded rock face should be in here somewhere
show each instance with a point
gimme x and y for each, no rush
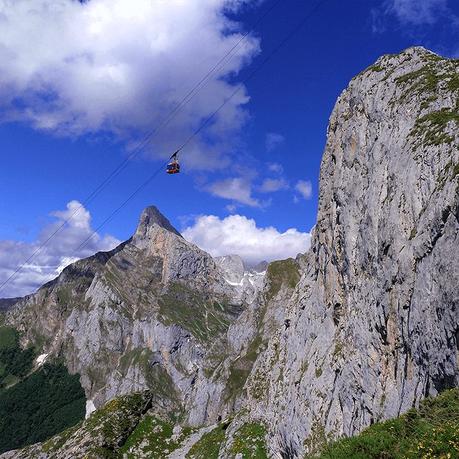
(374, 318)
(245, 281)
(139, 317)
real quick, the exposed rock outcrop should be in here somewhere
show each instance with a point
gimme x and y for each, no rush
(139, 317)
(374, 320)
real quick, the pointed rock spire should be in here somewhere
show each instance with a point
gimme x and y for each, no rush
(150, 217)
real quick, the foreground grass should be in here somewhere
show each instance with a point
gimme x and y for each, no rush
(430, 432)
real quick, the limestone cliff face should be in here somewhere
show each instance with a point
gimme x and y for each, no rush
(373, 324)
(139, 317)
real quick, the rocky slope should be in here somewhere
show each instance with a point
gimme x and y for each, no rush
(128, 428)
(139, 317)
(357, 330)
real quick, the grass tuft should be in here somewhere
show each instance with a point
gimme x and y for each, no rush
(430, 432)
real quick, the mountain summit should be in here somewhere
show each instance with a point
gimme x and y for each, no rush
(150, 218)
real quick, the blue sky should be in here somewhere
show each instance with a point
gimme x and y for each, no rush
(70, 115)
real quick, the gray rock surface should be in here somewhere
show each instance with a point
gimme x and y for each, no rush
(139, 317)
(374, 320)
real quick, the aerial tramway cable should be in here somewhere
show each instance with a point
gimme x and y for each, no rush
(295, 30)
(147, 138)
(187, 98)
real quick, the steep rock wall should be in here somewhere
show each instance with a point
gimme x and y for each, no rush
(373, 322)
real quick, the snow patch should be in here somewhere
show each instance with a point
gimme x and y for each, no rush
(41, 359)
(235, 284)
(90, 408)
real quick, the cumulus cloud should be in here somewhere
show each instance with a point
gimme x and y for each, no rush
(237, 189)
(304, 188)
(62, 250)
(270, 185)
(240, 235)
(120, 66)
(273, 140)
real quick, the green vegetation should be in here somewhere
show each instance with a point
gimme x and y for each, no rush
(236, 380)
(122, 428)
(259, 386)
(56, 442)
(240, 369)
(204, 317)
(209, 445)
(450, 171)
(137, 356)
(15, 363)
(375, 68)
(114, 414)
(453, 82)
(159, 381)
(46, 402)
(428, 433)
(153, 438)
(317, 439)
(249, 441)
(420, 81)
(112, 425)
(284, 272)
(456, 170)
(431, 128)
(8, 337)
(426, 80)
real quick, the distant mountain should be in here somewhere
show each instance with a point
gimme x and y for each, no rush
(7, 303)
(203, 358)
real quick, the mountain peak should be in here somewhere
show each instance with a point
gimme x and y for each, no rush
(150, 217)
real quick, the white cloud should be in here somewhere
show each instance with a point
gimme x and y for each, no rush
(417, 12)
(304, 188)
(273, 140)
(62, 250)
(237, 189)
(121, 66)
(276, 168)
(412, 14)
(240, 235)
(271, 185)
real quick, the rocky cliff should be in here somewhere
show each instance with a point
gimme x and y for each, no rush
(357, 330)
(140, 317)
(373, 324)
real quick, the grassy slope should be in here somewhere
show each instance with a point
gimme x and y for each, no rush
(120, 430)
(430, 432)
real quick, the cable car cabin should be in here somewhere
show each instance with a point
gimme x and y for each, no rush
(173, 167)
